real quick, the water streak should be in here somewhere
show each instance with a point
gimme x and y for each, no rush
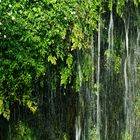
(98, 81)
(78, 128)
(110, 32)
(109, 73)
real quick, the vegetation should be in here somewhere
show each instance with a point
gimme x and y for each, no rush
(46, 45)
(37, 34)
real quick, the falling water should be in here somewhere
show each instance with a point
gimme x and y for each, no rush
(98, 81)
(110, 32)
(136, 131)
(130, 80)
(78, 128)
(126, 85)
(138, 38)
(125, 70)
(109, 73)
(78, 119)
(99, 116)
(126, 63)
(127, 99)
(126, 23)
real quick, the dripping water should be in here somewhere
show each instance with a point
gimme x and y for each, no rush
(78, 117)
(130, 80)
(110, 32)
(138, 38)
(98, 81)
(109, 74)
(126, 66)
(78, 128)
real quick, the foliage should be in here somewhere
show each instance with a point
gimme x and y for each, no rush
(112, 60)
(126, 136)
(40, 41)
(22, 131)
(137, 106)
(37, 36)
(66, 72)
(93, 134)
(122, 4)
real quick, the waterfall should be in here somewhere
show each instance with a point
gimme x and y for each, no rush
(126, 96)
(110, 33)
(109, 73)
(78, 128)
(94, 53)
(138, 38)
(126, 36)
(126, 86)
(78, 117)
(127, 78)
(98, 81)
(137, 95)
(130, 80)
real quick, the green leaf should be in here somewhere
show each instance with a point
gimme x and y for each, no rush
(69, 60)
(6, 114)
(1, 106)
(52, 59)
